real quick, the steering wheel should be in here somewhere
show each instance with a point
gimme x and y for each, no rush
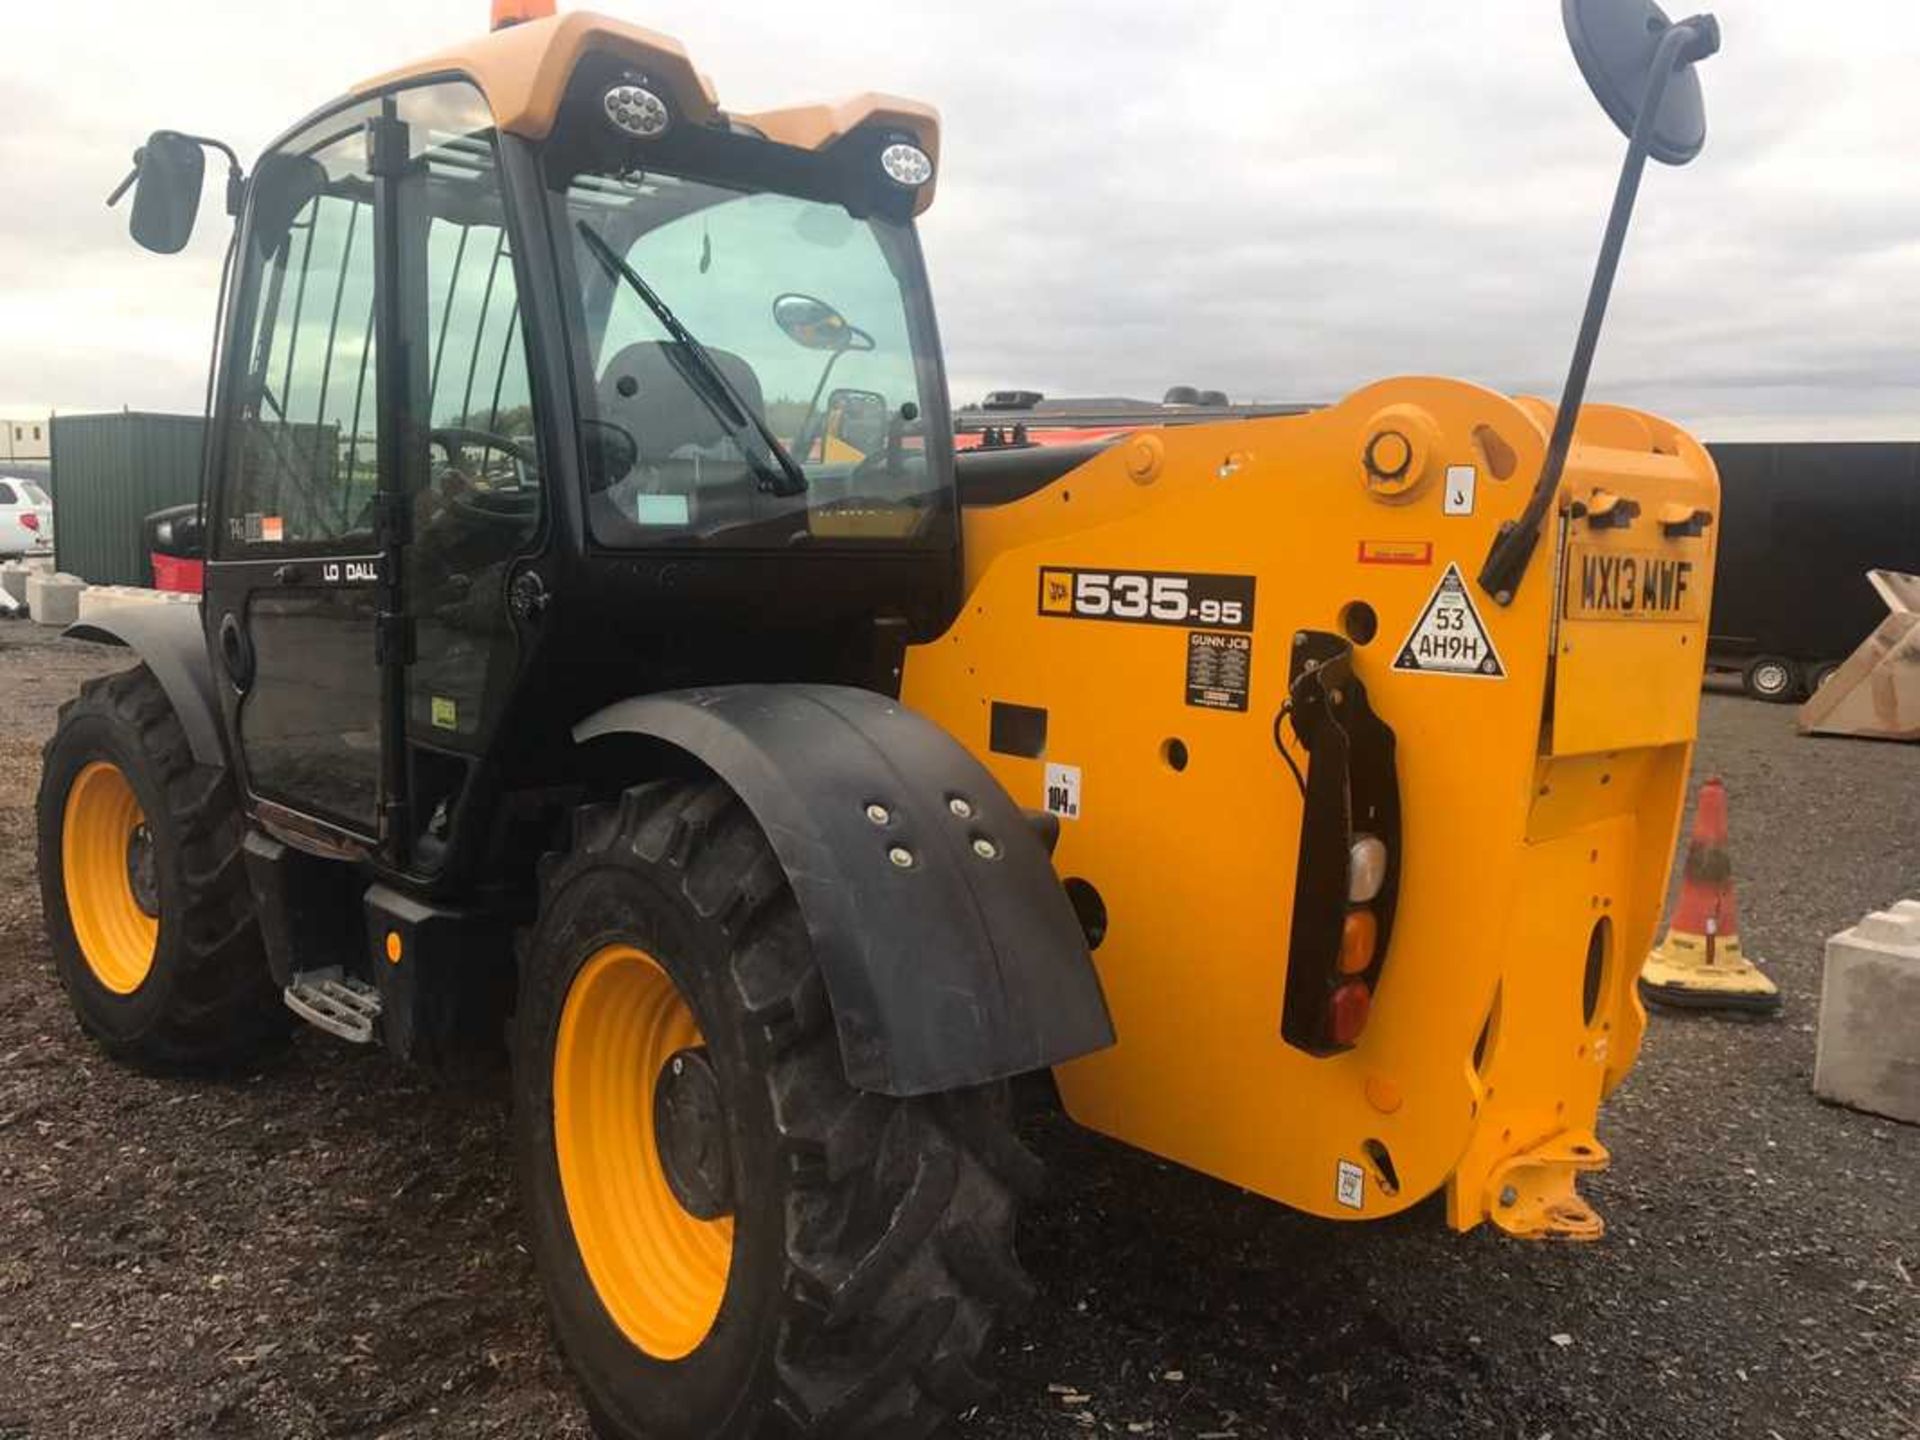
(488, 507)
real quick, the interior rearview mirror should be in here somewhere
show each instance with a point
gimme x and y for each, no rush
(1616, 43)
(166, 191)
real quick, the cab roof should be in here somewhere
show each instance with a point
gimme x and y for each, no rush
(523, 70)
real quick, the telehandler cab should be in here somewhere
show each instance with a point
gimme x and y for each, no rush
(599, 632)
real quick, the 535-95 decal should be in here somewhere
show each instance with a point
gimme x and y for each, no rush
(1149, 597)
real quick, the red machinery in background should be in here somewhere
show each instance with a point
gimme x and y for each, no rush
(176, 543)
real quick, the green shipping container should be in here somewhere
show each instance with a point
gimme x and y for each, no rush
(109, 473)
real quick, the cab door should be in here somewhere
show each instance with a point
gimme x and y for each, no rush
(293, 568)
(377, 475)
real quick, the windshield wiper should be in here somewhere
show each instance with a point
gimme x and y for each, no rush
(779, 472)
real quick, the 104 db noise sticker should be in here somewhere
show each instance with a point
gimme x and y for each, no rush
(1449, 638)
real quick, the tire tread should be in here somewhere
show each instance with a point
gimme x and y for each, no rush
(899, 1246)
(222, 1007)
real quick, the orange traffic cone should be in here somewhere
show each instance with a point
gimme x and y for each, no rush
(1699, 965)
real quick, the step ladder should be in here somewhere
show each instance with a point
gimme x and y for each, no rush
(335, 1002)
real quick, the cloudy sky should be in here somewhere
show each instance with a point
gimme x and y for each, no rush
(1281, 199)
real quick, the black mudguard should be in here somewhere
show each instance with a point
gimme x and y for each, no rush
(946, 966)
(169, 642)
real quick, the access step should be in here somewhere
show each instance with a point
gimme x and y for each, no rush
(335, 1002)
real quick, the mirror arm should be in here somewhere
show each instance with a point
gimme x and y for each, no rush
(127, 184)
(236, 177)
(1512, 549)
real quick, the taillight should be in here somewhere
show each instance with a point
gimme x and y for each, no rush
(1366, 868)
(30, 520)
(1359, 935)
(1347, 1011)
(1346, 879)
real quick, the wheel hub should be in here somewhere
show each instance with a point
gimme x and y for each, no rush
(690, 1130)
(143, 875)
(659, 1270)
(109, 868)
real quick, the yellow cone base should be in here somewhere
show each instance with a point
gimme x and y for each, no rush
(1684, 972)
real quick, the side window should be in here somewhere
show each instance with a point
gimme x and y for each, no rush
(301, 456)
(477, 496)
(7, 497)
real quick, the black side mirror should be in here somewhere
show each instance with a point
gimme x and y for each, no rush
(1617, 43)
(167, 175)
(1640, 67)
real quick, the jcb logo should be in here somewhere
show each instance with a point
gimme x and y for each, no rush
(1056, 592)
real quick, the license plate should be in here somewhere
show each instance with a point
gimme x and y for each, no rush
(1632, 585)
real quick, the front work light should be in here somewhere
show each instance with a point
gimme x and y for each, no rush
(906, 165)
(636, 110)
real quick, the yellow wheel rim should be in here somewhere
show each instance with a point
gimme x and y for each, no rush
(660, 1272)
(103, 846)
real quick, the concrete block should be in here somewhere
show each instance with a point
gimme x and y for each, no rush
(13, 580)
(1867, 1054)
(54, 599)
(97, 601)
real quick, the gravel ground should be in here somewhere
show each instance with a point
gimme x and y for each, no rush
(330, 1247)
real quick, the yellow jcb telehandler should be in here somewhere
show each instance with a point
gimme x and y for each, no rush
(601, 637)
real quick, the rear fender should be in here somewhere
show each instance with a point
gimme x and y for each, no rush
(169, 641)
(950, 952)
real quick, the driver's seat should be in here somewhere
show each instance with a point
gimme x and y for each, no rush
(644, 392)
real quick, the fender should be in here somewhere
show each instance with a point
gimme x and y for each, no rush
(950, 951)
(169, 642)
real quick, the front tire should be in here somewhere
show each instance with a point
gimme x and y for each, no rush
(676, 1058)
(143, 887)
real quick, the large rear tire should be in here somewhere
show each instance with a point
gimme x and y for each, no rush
(676, 1059)
(143, 887)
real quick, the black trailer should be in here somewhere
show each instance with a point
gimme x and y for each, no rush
(1803, 523)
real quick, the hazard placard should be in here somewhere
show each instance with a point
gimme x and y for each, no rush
(1449, 638)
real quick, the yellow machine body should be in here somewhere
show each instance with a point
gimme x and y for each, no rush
(1539, 806)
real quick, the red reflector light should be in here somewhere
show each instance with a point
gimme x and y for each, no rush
(1347, 1011)
(30, 520)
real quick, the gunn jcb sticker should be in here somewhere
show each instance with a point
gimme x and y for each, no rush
(1148, 597)
(1631, 585)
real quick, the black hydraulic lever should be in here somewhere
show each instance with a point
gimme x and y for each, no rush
(1684, 43)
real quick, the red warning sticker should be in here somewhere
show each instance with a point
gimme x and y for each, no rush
(1396, 552)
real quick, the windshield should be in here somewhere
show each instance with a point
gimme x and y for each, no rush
(762, 367)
